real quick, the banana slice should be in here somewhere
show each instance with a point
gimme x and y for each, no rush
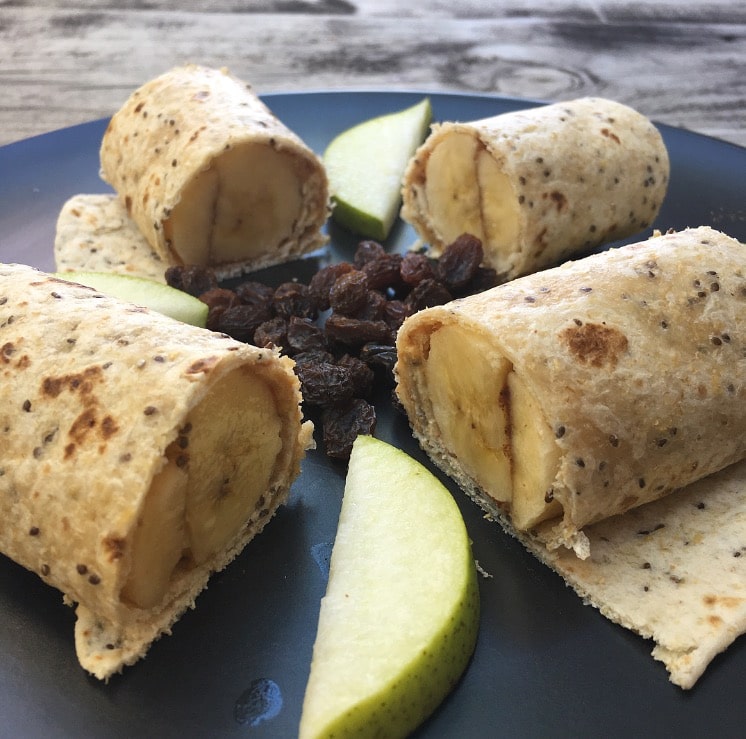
(537, 185)
(230, 464)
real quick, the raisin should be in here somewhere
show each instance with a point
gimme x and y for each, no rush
(373, 307)
(323, 383)
(384, 273)
(321, 283)
(220, 297)
(362, 375)
(415, 268)
(368, 251)
(255, 293)
(460, 261)
(394, 313)
(348, 294)
(343, 424)
(191, 278)
(355, 331)
(427, 294)
(304, 335)
(242, 321)
(314, 356)
(381, 357)
(294, 299)
(484, 279)
(273, 332)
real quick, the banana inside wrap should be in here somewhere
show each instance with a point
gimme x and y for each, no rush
(576, 394)
(139, 455)
(208, 175)
(538, 185)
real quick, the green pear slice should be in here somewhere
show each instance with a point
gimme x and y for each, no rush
(141, 291)
(365, 165)
(399, 620)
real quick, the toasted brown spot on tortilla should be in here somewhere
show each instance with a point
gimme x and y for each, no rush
(595, 344)
(559, 200)
(108, 427)
(114, 547)
(81, 382)
(202, 365)
(7, 351)
(610, 135)
(82, 425)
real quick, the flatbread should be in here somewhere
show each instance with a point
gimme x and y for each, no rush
(121, 427)
(211, 177)
(539, 185)
(578, 395)
(95, 234)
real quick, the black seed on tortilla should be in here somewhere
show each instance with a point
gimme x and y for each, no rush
(150, 410)
(27, 405)
(33, 531)
(82, 569)
(94, 579)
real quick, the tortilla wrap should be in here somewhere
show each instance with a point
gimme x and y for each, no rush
(139, 455)
(211, 177)
(538, 185)
(580, 393)
(95, 234)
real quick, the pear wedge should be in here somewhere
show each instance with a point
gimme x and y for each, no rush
(365, 165)
(399, 620)
(139, 290)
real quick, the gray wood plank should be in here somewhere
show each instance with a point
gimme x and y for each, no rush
(60, 66)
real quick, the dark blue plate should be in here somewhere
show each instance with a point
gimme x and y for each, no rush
(545, 664)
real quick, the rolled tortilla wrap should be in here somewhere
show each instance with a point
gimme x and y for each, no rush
(95, 234)
(538, 185)
(210, 176)
(580, 392)
(139, 455)
(563, 401)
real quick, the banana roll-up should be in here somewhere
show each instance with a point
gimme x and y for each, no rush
(139, 455)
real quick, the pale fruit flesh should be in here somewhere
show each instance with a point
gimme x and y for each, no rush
(230, 463)
(225, 216)
(399, 619)
(489, 419)
(160, 538)
(366, 164)
(466, 191)
(536, 459)
(215, 476)
(142, 291)
(466, 384)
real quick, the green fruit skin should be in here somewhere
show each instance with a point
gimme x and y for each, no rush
(361, 222)
(358, 222)
(398, 715)
(158, 297)
(404, 703)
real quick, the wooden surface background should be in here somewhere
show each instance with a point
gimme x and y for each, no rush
(682, 62)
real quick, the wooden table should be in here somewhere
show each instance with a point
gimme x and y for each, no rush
(682, 62)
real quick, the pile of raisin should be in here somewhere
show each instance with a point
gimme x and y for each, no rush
(340, 328)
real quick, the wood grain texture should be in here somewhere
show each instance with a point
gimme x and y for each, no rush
(682, 63)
